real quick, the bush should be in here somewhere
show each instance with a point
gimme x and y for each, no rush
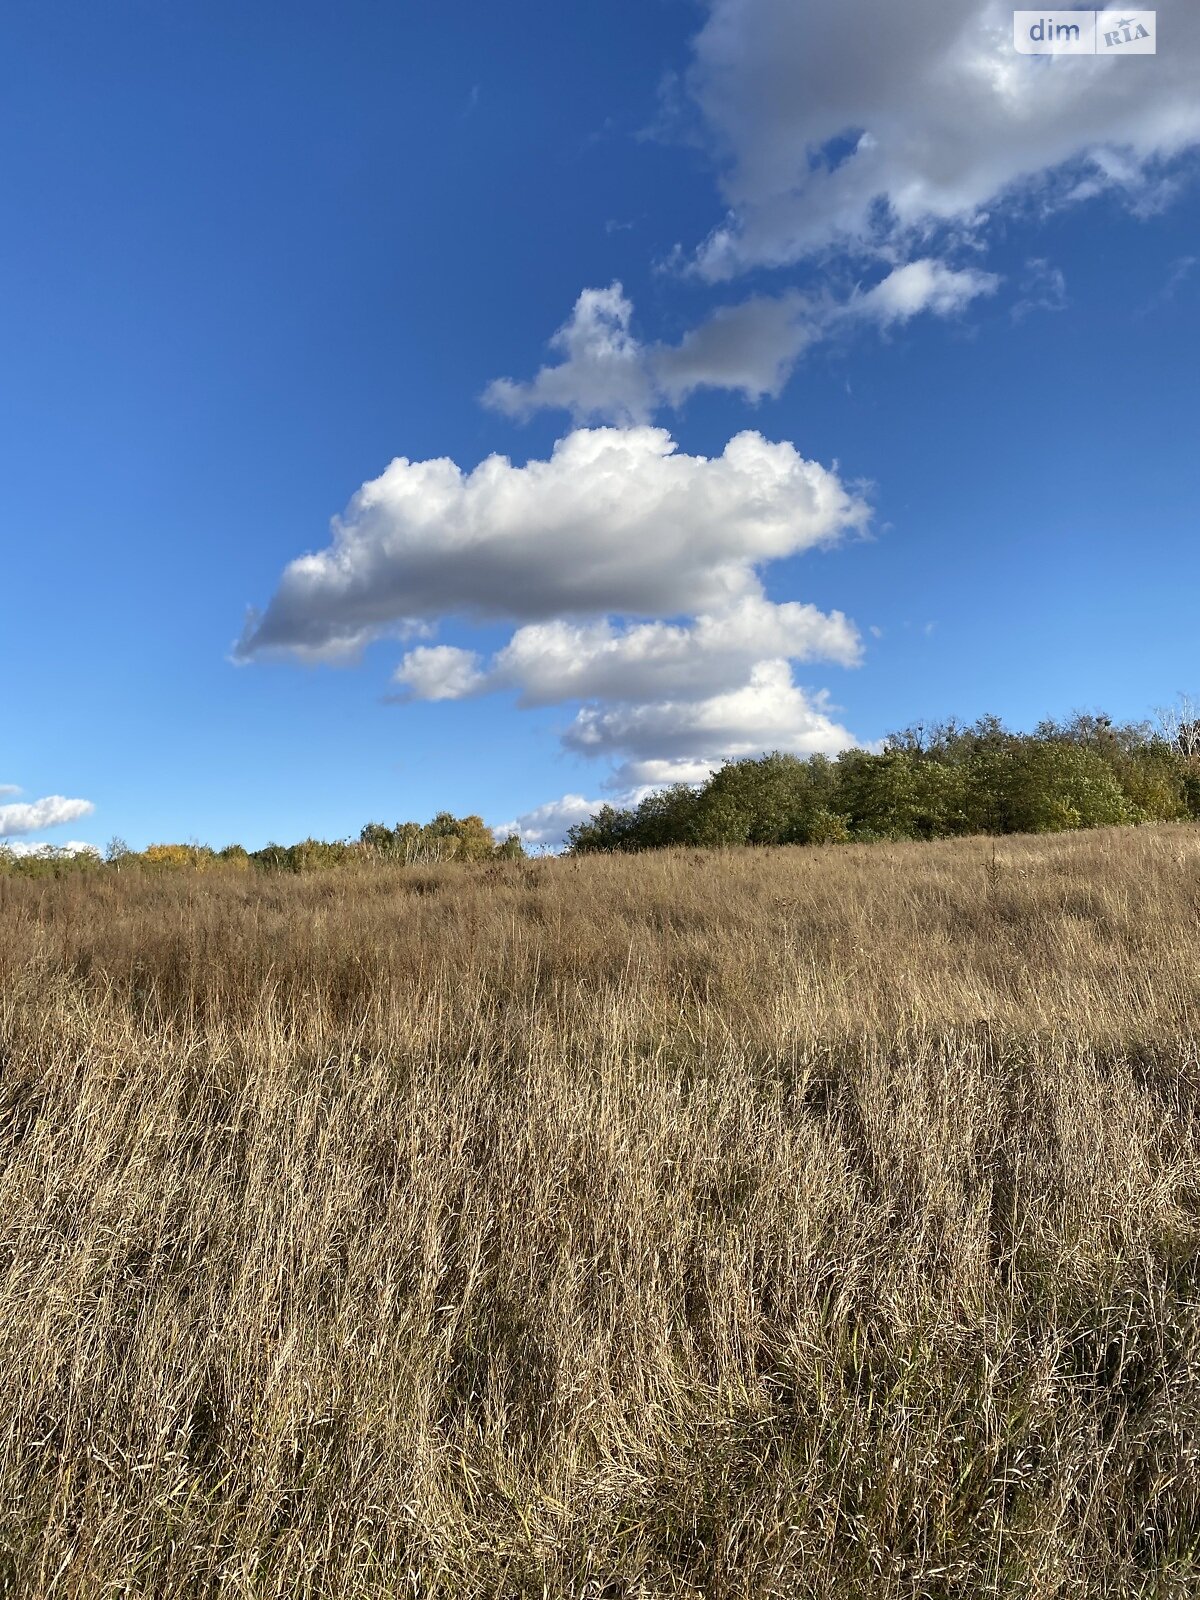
(1154, 785)
(762, 801)
(827, 827)
(171, 857)
(901, 795)
(606, 831)
(445, 838)
(1059, 785)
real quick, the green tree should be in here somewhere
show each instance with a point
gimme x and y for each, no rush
(607, 830)
(1045, 786)
(901, 794)
(764, 800)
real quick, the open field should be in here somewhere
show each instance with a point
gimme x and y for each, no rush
(785, 1223)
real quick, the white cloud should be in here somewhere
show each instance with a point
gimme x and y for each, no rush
(665, 702)
(768, 712)
(863, 126)
(634, 571)
(546, 825)
(751, 347)
(51, 812)
(441, 672)
(7, 789)
(665, 742)
(549, 662)
(556, 661)
(607, 374)
(602, 374)
(617, 521)
(924, 285)
(650, 773)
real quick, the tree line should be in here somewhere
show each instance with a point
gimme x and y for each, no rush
(928, 781)
(445, 838)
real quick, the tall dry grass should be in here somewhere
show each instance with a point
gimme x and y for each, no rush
(784, 1223)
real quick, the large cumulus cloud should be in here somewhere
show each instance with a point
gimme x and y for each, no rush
(633, 573)
(616, 521)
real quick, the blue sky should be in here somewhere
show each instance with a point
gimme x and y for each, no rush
(944, 300)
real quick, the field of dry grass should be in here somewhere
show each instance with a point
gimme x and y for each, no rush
(783, 1223)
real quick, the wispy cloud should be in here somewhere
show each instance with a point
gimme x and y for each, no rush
(1180, 271)
(750, 347)
(1043, 288)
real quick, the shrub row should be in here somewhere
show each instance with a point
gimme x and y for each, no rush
(927, 782)
(446, 838)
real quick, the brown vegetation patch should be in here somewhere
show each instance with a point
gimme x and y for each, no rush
(800, 1222)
